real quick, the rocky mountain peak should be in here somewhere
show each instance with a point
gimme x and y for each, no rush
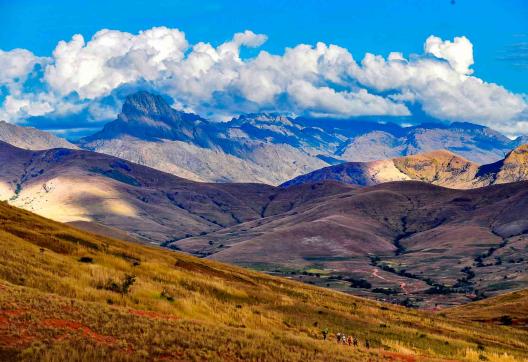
(146, 103)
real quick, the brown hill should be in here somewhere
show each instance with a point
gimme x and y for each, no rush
(31, 138)
(440, 167)
(81, 186)
(423, 243)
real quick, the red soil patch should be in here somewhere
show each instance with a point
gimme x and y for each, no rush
(151, 315)
(14, 332)
(394, 356)
(76, 326)
(12, 312)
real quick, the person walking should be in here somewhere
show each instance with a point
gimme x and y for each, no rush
(338, 337)
(355, 342)
(367, 344)
(325, 333)
(349, 341)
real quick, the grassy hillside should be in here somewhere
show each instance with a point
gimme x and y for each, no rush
(510, 308)
(70, 295)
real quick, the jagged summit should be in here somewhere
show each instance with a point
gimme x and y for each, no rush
(148, 116)
(146, 103)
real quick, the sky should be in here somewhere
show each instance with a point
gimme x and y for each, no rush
(458, 60)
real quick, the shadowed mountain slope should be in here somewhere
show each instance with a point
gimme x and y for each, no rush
(71, 295)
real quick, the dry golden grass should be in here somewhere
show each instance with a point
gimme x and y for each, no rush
(53, 307)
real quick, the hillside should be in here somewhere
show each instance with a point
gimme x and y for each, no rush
(509, 308)
(31, 138)
(440, 167)
(408, 242)
(69, 295)
(153, 206)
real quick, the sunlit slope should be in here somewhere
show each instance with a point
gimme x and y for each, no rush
(510, 308)
(70, 295)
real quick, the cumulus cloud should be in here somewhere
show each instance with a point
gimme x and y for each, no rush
(112, 58)
(320, 79)
(459, 53)
(16, 65)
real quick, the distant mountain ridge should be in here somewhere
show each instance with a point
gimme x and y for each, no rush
(31, 138)
(441, 168)
(270, 148)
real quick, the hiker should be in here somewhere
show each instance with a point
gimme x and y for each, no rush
(349, 340)
(343, 339)
(338, 337)
(367, 344)
(355, 342)
(325, 333)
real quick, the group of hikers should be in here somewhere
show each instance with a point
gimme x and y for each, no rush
(342, 338)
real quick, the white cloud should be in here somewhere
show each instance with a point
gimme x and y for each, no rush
(16, 65)
(459, 53)
(111, 59)
(326, 101)
(215, 80)
(442, 84)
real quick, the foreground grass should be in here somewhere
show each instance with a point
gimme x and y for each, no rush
(63, 297)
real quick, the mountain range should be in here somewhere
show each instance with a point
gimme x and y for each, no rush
(247, 148)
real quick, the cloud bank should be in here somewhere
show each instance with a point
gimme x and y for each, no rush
(88, 77)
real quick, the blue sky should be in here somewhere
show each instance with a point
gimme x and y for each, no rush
(497, 30)
(493, 26)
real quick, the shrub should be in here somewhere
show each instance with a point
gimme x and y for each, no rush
(506, 320)
(359, 283)
(122, 287)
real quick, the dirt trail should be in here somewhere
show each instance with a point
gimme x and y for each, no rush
(375, 273)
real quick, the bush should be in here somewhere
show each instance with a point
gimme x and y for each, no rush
(506, 320)
(359, 283)
(386, 291)
(123, 287)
